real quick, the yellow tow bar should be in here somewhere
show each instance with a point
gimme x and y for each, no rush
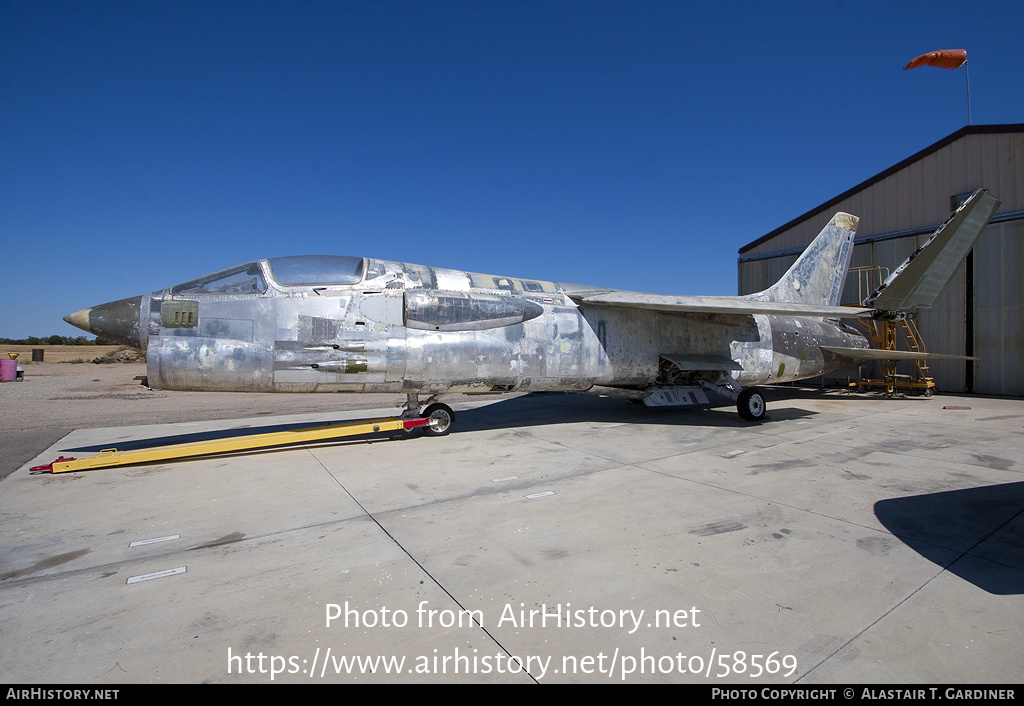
(112, 457)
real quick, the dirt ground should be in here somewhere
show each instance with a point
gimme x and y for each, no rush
(57, 354)
(55, 398)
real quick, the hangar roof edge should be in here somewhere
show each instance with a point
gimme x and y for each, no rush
(949, 139)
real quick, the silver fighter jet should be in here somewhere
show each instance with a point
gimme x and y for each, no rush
(334, 323)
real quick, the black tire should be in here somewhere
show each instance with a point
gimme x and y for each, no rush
(751, 405)
(441, 419)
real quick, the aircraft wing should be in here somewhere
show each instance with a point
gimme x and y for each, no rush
(716, 305)
(920, 279)
(880, 354)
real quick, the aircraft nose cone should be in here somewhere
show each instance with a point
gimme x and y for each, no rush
(118, 321)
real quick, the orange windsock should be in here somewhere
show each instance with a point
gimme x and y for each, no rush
(943, 58)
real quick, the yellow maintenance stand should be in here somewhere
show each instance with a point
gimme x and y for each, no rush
(884, 335)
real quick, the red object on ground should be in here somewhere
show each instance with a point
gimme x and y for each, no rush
(49, 468)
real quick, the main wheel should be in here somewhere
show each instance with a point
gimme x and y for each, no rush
(751, 405)
(441, 419)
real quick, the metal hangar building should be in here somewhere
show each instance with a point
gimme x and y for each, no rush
(981, 310)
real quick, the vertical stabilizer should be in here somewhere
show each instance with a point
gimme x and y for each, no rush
(818, 275)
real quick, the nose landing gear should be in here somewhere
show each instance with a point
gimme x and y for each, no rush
(440, 417)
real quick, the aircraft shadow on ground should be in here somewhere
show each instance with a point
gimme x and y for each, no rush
(983, 528)
(557, 408)
(523, 411)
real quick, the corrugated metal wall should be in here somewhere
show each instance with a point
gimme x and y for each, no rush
(999, 310)
(916, 195)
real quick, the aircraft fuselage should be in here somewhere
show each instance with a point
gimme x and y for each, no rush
(332, 323)
(414, 329)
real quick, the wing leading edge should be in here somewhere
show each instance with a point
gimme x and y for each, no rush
(718, 305)
(811, 287)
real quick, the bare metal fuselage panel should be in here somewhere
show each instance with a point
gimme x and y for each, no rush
(409, 328)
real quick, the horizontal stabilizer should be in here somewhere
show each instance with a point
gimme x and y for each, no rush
(879, 354)
(920, 280)
(718, 305)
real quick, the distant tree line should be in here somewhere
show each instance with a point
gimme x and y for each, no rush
(56, 341)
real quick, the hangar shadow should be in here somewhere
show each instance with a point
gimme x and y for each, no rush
(983, 528)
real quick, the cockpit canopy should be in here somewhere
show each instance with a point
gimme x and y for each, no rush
(295, 271)
(316, 269)
(244, 279)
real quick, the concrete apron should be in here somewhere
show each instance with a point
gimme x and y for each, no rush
(550, 538)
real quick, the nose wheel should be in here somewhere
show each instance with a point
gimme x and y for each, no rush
(440, 419)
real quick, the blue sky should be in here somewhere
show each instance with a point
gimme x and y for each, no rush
(627, 144)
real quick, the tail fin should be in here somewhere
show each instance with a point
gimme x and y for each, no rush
(818, 275)
(919, 280)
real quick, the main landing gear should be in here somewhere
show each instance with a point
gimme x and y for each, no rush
(749, 400)
(750, 404)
